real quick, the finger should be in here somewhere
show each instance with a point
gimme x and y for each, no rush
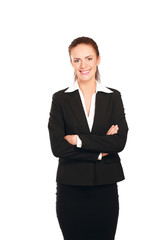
(113, 130)
(109, 131)
(67, 137)
(104, 154)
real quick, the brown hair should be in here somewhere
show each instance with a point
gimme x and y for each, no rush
(88, 41)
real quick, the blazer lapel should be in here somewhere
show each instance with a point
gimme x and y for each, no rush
(99, 111)
(76, 106)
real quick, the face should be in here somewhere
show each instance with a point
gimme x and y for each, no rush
(84, 61)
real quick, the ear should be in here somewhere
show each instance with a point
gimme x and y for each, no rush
(98, 60)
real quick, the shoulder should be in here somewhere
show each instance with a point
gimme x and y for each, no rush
(60, 95)
(115, 93)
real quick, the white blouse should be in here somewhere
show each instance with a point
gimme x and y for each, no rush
(90, 118)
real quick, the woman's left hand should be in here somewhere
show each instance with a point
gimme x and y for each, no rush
(72, 139)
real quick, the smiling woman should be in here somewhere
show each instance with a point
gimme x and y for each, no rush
(85, 66)
(85, 58)
(87, 129)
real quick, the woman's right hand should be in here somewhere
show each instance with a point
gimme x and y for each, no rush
(113, 130)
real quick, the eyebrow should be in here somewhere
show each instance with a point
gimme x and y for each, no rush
(85, 57)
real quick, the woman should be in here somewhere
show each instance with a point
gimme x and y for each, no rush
(87, 128)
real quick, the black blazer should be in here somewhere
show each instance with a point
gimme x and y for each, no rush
(79, 166)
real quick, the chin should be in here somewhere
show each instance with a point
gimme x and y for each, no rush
(85, 78)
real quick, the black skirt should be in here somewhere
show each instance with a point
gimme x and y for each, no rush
(87, 212)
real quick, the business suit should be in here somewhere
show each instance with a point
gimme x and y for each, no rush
(79, 166)
(87, 195)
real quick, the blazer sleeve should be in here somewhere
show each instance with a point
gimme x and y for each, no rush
(60, 146)
(109, 143)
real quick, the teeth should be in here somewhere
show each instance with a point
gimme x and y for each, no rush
(85, 71)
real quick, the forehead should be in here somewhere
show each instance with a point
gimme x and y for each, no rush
(82, 50)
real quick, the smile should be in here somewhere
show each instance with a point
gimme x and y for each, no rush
(85, 72)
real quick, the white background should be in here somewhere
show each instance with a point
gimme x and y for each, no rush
(34, 63)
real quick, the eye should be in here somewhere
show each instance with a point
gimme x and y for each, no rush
(76, 60)
(89, 59)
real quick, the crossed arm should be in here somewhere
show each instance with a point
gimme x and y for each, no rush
(92, 145)
(72, 139)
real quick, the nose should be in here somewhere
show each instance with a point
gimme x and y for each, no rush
(83, 64)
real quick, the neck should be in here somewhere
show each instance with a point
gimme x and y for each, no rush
(87, 87)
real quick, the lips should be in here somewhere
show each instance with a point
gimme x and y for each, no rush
(85, 72)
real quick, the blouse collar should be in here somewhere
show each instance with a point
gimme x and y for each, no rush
(99, 88)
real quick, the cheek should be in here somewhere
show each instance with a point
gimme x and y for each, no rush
(76, 69)
(94, 68)
(92, 64)
(75, 66)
